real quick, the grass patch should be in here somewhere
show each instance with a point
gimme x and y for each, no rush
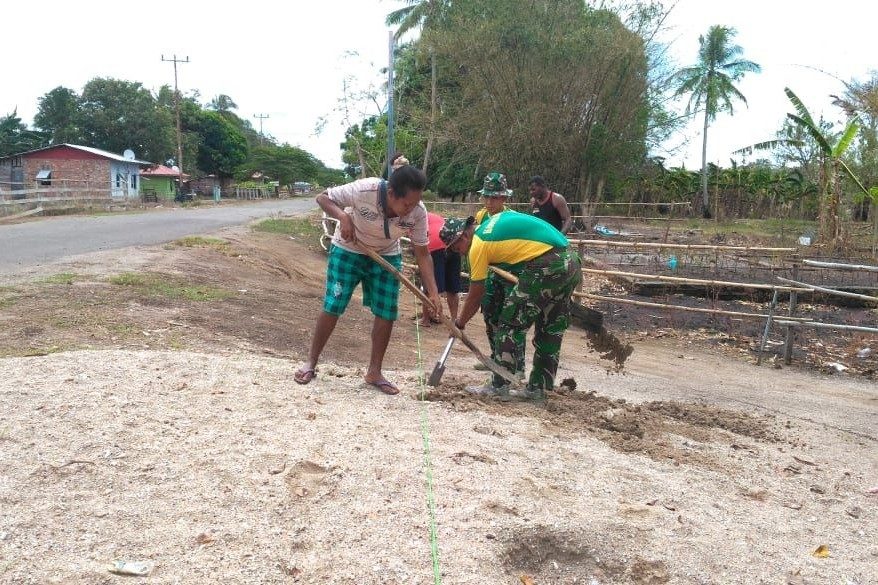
(72, 321)
(302, 227)
(61, 278)
(770, 229)
(158, 285)
(38, 351)
(7, 300)
(124, 329)
(218, 244)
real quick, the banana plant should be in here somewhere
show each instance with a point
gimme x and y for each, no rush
(832, 166)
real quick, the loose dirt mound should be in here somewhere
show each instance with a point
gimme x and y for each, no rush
(550, 556)
(661, 430)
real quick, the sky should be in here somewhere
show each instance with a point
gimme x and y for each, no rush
(290, 60)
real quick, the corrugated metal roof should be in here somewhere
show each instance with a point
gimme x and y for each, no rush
(97, 151)
(106, 154)
(161, 171)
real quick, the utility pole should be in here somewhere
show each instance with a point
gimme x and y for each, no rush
(391, 147)
(174, 60)
(261, 118)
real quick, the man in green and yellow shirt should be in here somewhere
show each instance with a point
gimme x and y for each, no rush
(548, 273)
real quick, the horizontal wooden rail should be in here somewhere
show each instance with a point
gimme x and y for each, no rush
(831, 291)
(718, 283)
(659, 245)
(681, 308)
(840, 266)
(818, 325)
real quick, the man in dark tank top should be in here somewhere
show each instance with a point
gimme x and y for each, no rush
(549, 206)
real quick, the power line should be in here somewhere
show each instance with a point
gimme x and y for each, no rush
(261, 117)
(174, 60)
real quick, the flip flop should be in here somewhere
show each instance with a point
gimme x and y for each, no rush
(305, 375)
(385, 386)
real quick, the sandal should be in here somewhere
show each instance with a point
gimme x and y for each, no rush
(305, 375)
(385, 386)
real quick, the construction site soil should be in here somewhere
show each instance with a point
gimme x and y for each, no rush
(148, 413)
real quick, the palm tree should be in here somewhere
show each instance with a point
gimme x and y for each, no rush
(222, 103)
(710, 85)
(424, 14)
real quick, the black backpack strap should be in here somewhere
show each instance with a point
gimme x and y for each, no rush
(382, 203)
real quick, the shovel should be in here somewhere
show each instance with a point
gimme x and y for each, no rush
(439, 368)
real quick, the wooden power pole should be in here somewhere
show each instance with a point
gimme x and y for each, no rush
(174, 60)
(261, 118)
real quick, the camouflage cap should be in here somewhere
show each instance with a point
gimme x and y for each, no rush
(495, 185)
(453, 227)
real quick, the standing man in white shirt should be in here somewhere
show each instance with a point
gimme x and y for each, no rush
(380, 212)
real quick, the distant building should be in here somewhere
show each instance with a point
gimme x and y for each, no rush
(160, 182)
(71, 167)
(301, 187)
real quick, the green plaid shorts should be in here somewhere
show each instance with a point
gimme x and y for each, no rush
(346, 270)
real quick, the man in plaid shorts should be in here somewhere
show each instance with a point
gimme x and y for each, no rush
(371, 213)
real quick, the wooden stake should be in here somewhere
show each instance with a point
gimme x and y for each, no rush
(790, 334)
(767, 327)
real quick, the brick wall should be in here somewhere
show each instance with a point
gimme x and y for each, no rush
(84, 174)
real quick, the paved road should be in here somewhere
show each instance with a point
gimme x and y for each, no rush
(35, 243)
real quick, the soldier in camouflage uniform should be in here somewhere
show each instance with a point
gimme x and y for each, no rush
(548, 273)
(495, 191)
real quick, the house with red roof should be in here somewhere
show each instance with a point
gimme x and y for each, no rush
(160, 182)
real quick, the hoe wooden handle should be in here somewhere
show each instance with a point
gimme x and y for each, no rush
(452, 328)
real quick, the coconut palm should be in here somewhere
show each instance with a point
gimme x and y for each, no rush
(424, 14)
(710, 85)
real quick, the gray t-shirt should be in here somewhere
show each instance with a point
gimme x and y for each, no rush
(360, 200)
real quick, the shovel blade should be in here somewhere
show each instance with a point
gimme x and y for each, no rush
(436, 375)
(439, 368)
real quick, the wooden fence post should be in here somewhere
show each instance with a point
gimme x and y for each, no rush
(581, 249)
(790, 336)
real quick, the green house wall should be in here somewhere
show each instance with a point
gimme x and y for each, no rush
(163, 186)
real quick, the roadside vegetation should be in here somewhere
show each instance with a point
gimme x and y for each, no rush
(159, 285)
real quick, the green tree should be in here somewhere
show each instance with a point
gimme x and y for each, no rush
(710, 85)
(832, 167)
(15, 137)
(222, 103)
(424, 14)
(286, 164)
(861, 100)
(120, 114)
(190, 112)
(223, 148)
(550, 87)
(59, 116)
(364, 148)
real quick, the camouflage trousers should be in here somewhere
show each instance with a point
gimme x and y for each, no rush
(497, 289)
(542, 299)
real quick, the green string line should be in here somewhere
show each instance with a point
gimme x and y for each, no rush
(428, 466)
